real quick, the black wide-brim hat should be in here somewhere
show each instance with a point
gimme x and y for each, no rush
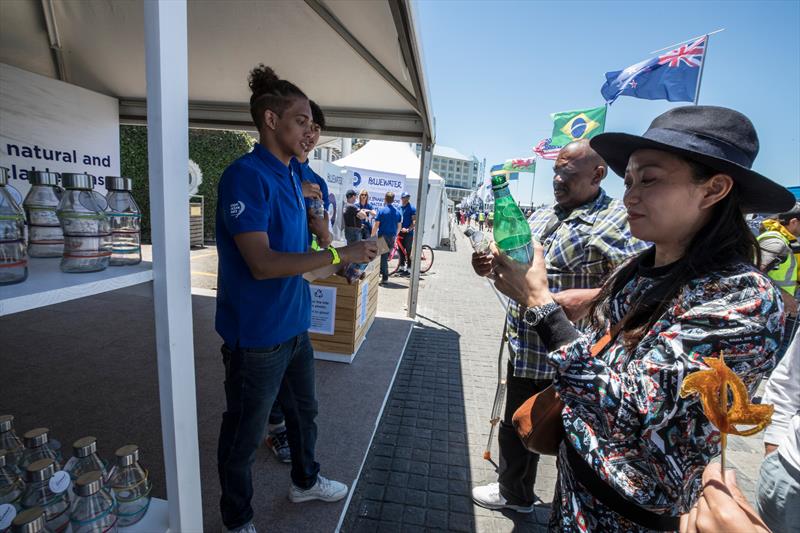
(717, 137)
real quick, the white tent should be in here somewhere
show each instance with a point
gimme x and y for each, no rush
(399, 158)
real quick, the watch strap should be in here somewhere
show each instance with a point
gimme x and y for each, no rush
(335, 259)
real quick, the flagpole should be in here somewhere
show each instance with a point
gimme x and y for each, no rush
(533, 180)
(702, 67)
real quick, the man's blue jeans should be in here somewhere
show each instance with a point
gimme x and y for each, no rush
(385, 257)
(254, 378)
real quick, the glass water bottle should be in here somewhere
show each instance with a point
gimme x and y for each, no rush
(47, 489)
(87, 230)
(30, 521)
(37, 447)
(126, 218)
(11, 485)
(85, 459)
(10, 442)
(511, 231)
(45, 238)
(131, 486)
(94, 509)
(13, 254)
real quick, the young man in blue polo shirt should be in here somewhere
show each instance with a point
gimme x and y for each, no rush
(409, 214)
(387, 225)
(263, 302)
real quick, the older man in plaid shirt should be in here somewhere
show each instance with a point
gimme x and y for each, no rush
(584, 236)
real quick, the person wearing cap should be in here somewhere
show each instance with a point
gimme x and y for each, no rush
(780, 260)
(409, 222)
(387, 226)
(352, 217)
(634, 450)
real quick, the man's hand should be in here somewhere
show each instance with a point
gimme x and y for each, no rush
(721, 507)
(482, 264)
(362, 214)
(575, 302)
(319, 227)
(359, 252)
(403, 230)
(311, 190)
(769, 448)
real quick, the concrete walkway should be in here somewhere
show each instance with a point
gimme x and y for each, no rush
(427, 451)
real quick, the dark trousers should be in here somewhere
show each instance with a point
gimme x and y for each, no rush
(254, 378)
(518, 466)
(385, 257)
(407, 239)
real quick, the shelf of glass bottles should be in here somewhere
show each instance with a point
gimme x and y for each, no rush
(47, 285)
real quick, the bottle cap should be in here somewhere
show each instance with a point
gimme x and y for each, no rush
(115, 183)
(77, 181)
(3, 175)
(127, 455)
(40, 470)
(40, 177)
(6, 423)
(89, 483)
(29, 521)
(84, 447)
(36, 437)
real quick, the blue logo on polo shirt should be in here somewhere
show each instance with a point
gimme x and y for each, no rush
(237, 208)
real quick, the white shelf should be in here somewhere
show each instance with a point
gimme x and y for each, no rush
(47, 285)
(156, 520)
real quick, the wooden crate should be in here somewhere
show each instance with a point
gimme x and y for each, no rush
(352, 320)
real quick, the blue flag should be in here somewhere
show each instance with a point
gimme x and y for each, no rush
(671, 76)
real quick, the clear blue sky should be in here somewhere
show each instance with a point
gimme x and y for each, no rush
(496, 70)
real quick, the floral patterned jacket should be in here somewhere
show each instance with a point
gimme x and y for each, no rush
(623, 412)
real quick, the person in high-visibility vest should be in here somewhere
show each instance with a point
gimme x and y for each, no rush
(490, 219)
(481, 220)
(780, 260)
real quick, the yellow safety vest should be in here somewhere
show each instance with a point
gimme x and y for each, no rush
(785, 275)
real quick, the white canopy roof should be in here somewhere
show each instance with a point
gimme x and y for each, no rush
(387, 156)
(359, 60)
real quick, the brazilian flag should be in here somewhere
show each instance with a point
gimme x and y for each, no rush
(571, 126)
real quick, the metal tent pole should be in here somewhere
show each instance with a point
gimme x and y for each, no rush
(166, 64)
(425, 157)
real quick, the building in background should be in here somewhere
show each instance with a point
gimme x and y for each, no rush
(462, 174)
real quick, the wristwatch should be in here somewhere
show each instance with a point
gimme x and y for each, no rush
(534, 315)
(335, 260)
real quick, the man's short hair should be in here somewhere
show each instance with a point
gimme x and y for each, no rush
(317, 115)
(389, 197)
(794, 212)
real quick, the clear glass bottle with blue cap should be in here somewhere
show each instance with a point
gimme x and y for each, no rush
(13, 253)
(126, 222)
(45, 238)
(93, 510)
(43, 489)
(86, 227)
(130, 485)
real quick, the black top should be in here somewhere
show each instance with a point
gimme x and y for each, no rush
(349, 216)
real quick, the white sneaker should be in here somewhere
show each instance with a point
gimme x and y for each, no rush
(247, 528)
(489, 496)
(324, 489)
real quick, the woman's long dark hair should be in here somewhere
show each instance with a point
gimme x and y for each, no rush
(270, 92)
(723, 242)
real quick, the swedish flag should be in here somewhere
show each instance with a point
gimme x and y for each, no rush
(571, 126)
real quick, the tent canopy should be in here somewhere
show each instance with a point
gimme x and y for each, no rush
(387, 156)
(359, 60)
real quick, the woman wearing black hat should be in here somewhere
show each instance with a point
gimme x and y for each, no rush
(634, 451)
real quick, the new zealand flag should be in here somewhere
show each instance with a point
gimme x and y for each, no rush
(672, 76)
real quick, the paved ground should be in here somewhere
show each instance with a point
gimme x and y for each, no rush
(427, 452)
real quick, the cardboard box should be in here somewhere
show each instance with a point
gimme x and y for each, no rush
(355, 308)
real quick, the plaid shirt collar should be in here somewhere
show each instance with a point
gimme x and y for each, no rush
(586, 212)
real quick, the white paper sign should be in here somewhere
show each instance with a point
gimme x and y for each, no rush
(46, 124)
(323, 309)
(377, 184)
(364, 301)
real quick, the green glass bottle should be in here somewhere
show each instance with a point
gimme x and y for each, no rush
(511, 231)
